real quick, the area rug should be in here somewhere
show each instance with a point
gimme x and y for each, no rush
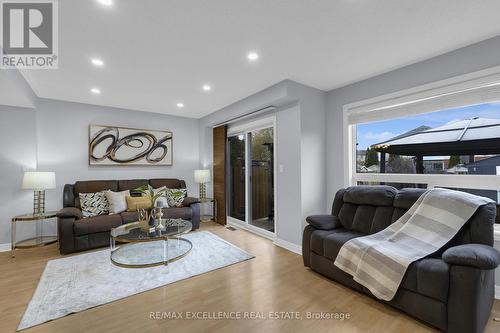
(73, 284)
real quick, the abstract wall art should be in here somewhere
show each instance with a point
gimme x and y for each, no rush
(110, 145)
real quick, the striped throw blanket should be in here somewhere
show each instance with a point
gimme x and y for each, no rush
(379, 261)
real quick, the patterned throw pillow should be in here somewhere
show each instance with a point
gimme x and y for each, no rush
(161, 197)
(94, 204)
(175, 196)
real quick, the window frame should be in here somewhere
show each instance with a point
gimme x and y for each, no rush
(469, 89)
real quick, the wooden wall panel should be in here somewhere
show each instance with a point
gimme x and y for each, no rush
(219, 160)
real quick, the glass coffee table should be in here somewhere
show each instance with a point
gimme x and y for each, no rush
(139, 245)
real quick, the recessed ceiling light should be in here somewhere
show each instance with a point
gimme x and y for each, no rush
(206, 87)
(105, 2)
(97, 62)
(253, 56)
(180, 105)
(95, 91)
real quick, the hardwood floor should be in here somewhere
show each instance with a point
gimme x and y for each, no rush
(274, 281)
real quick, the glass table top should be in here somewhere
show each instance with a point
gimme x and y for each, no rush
(148, 254)
(143, 232)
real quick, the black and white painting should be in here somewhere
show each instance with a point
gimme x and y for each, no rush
(109, 145)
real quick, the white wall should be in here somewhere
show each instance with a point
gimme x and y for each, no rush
(55, 134)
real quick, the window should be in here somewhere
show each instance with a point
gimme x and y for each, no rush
(447, 142)
(445, 134)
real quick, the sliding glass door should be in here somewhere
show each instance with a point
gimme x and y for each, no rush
(237, 178)
(262, 179)
(251, 178)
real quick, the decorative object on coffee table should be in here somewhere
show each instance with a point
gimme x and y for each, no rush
(111, 145)
(154, 214)
(202, 177)
(40, 239)
(39, 182)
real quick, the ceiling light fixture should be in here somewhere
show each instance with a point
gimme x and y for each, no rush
(97, 62)
(253, 56)
(180, 105)
(105, 2)
(206, 87)
(95, 91)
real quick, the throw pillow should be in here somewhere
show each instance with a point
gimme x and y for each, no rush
(175, 196)
(162, 198)
(93, 204)
(117, 201)
(135, 203)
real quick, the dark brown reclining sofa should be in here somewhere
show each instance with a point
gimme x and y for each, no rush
(78, 234)
(452, 290)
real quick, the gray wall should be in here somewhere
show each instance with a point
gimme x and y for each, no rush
(462, 61)
(17, 154)
(55, 135)
(300, 149)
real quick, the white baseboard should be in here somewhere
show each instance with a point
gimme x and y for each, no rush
(266, 234)
(241, 225)
(497, 291)
(4, 247)
(288, 246)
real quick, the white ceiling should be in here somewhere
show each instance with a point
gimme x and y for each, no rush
(159, 52)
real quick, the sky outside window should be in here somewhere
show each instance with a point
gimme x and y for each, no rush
(375, 132)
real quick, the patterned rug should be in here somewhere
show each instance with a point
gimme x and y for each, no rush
(73, 284)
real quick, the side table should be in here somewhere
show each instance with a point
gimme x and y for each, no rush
(40, 239)
(208, 218)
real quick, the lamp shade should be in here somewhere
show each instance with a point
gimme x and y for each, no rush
(202, 176)
(35, 180)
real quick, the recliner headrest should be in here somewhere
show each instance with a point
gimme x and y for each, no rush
(370, 195)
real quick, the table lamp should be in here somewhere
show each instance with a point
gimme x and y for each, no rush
(39, 182)
(202, 177)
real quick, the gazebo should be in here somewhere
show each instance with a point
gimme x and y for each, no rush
(476, 136)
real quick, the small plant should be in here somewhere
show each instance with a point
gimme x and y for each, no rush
(147, 190)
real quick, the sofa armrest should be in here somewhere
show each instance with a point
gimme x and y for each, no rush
(473, 255)
(66, 234)
(188, 201)
(324, 222)
(70, 212)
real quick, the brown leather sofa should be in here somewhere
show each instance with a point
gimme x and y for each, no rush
(78, 234)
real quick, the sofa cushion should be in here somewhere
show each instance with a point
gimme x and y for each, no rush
(167, 182)
(334, 241)
(429, 277)
(405, 198)
(185, 213)
(132, 184)
(128, 217)
(366, 219)
(346, 214)
(96, 224)
(370, 195)
(317, 238)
